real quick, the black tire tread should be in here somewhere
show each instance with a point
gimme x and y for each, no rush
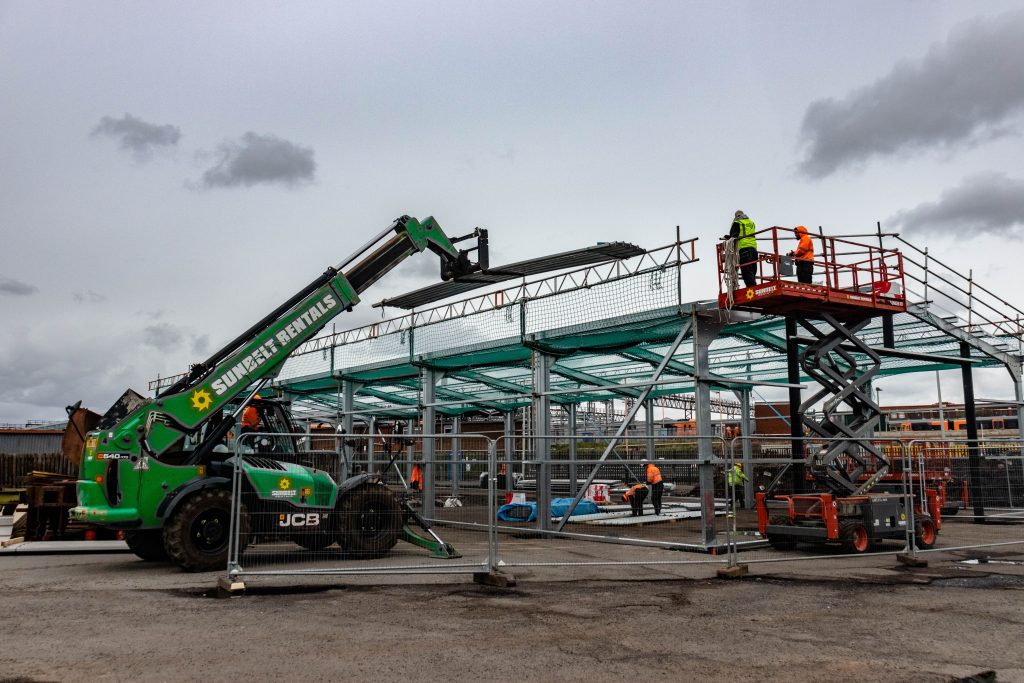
(918, 528)
(176, 532)
(846, 527)
(354, 539)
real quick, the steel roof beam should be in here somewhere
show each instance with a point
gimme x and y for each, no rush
(593, 380)
(493, 382)
(652, 358)
(896, 353)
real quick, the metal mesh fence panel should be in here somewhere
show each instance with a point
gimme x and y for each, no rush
(376, 349)
(624, 301)
(306, 364)
(481, 503)
(981, 490)
(333, 511)
(612, 293)
(466, 333)
(610, 524)
(779, 512)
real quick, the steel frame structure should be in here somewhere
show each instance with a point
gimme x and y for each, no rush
(493, 358)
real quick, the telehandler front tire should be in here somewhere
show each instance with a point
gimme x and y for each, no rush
(197, 535)
(371, 518)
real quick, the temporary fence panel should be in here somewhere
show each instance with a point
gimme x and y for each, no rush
(778, 511)
(933, 477)
(480, 501)
(606, 528)
(981, 486)
(298, 513)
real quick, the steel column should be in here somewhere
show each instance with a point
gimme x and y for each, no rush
(796, 420)
(572, 449)
(748, 448)
(371, 427)
(1018, 391)
(704, 332)
(541, 430)
(971, 417)
(510, 448)
(348, 392)
(456, 455)
(649, 427)
(428, 380)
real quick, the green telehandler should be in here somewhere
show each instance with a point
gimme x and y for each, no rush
(161, 468)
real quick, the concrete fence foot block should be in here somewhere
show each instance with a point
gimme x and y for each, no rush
(911, 560)
(496, 578)
(733, 572)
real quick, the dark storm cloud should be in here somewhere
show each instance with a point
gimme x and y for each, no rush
(16, 287)
(137, 136)
(256, 159)
(990, 203)
(963, 91)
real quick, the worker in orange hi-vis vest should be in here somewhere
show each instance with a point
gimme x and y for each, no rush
(416, 478)
(251, 418)
(653, 476)
(635, 496)
(804, 255)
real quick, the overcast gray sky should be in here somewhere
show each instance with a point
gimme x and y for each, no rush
(172, 171)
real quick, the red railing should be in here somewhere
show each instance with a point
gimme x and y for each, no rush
(841, 267)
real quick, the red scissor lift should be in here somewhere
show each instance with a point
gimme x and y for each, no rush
(862, 496)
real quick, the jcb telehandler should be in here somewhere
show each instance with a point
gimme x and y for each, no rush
(161, 468)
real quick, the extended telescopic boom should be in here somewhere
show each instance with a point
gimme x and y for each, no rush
(259, 352)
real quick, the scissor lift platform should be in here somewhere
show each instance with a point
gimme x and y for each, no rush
(850, 278)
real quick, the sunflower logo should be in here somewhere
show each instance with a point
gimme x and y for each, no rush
(201, 400)
(285, 483)
(750, 293)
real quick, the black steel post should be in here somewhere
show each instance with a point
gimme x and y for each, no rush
(970, 416)
(888, 333)
(796, 423)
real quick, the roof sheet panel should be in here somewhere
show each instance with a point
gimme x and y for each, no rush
(568, 259)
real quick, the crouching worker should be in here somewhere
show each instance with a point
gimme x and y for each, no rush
(635, 496)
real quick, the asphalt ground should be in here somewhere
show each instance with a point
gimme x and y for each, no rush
(572, 616)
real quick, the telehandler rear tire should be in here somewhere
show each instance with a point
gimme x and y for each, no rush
(148, 544)
(196, 537)
(371, 521)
